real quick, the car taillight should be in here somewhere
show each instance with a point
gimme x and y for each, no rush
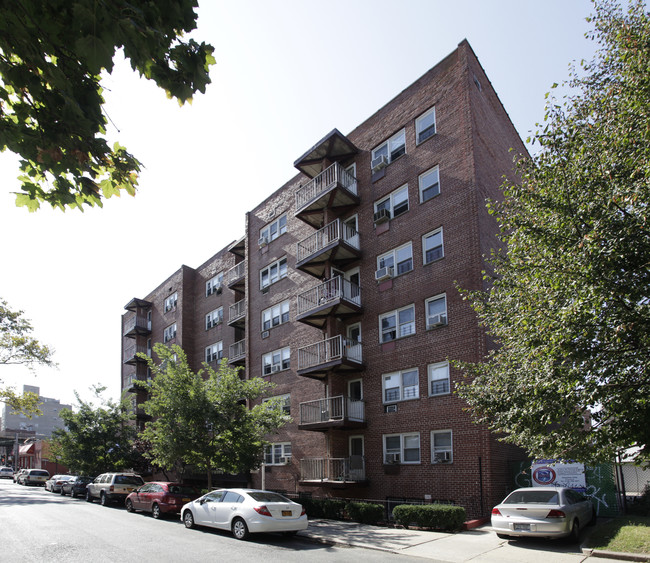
(556, 514)
(262, 510)
(495, 512)
(111, 489)
(304, 511)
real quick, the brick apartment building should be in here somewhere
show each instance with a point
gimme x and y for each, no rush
(342, 292)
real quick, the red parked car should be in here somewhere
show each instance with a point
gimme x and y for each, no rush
(160, 498)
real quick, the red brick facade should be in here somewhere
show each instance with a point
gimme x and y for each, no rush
(351, 452)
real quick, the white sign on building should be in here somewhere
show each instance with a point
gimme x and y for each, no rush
(553, 473)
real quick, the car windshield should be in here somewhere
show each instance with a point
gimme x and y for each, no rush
(128, 480)
(532, 497)
(181, 489)
(266, 496)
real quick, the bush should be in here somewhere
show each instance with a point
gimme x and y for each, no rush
(365, 512)
(436, 516)
(640, 506)
(323, 508)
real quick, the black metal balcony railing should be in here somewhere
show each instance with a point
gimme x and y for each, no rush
(336, 470)
(137, 325)
(131, 353)
(331, 409)
(333, 176)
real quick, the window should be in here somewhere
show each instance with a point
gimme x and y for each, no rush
(438, 379)
(436, 308)
(441, 446)
(214, 318)
(400, 259)
(170, 302)
(274, 230)
(402, 448)
(169, 333)
(277, 454)
(429, 184)
(214, 285)
(277, 360)
(276, 315)
(397, 324)
(214, 353)
(395, 203)
(273, 272)
(392, 148)
(432, 249)
(285, 402)
(425, 125)
(401, 385)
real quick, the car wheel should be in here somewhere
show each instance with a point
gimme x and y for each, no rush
(188, 519)
(290, 534)
(503, 536)
(62, 492)
(102, 499)
(594, 517)
(155, 511)
(73, 494)
(129, 505)
(574, 537)
(239, 529)
(89, 497)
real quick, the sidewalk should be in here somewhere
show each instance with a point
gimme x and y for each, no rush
(479, 545)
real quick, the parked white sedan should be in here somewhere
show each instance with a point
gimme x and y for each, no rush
(542, 512)
(244, 511)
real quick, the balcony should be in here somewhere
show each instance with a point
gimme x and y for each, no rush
(340, 412)
(130, 385)
(336, 242)
(131, 353)
(338, 297)
(333, 354)
(333, 188)
(237, 352)
(140, 413)
(235, 277)
(137, 326)
(237, 314)
(341, 470)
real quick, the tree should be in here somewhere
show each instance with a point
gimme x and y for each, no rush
(52, 54)
(568, 303)
(96, 439)
(18, 347)
(205, 421)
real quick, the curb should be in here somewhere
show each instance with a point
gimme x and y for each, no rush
(621, 555)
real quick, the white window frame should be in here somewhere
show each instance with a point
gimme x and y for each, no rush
(438, 380)
(213, 285)
(169, 333)
(425, 239)
(405, 439)
(170, 302)
(283, 363)
(439, 449)
(399, 331)
(275, 452)
(285, 402)
(268, 269)
(389, 202)
(391, 147)
(214, 352)
(404, 392)
(384, 260)
(280, 311)
(214, 318)
(440, 297)
(430, 130)
(274, 229)
(425, 177)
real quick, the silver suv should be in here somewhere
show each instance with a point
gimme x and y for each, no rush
(112, 487)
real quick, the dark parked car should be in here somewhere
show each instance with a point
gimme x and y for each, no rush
(160, 497)
(76, 487)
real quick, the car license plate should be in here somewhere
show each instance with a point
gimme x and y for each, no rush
(286, 513)
(129, 489)
(186, 499)
(522, 527)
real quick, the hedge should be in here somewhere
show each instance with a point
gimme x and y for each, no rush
(436, 516)
(365, 512)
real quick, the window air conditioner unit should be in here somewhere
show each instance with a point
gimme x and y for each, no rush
(384, 274)
(381, 216)
(263, 241)
(437, 320)
(283, 461)
(209, 324)
(275, 368)
(265, 334)
(392, 458)
(390, 408)
(378, 163)
(217, 288)
(442, 457)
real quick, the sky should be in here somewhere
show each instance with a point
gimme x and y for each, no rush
(287, 73)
